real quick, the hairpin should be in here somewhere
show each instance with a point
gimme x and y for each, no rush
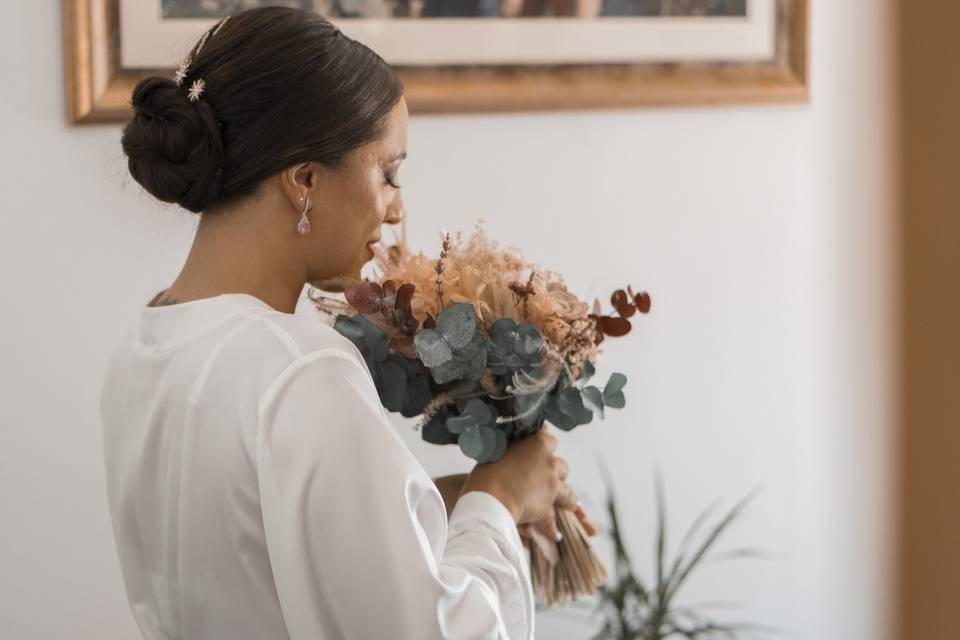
(196, 89)
(198, 85)
(203, 41)
(220, 26)
(182, 70)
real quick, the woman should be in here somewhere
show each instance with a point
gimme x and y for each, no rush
(256, 487)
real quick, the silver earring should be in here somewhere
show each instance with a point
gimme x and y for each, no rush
(303, 227)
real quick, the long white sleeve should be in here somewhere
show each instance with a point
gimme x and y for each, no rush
(357, 533)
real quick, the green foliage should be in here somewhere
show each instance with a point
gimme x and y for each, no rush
(451, 357)
(368, 338)
(513, 346)
(454, 349)
(435, 430)
(634, 610)
(479, 435)
(401, 382)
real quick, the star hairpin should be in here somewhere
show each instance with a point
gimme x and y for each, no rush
(196, 89)
(182, 71)
(220, 26)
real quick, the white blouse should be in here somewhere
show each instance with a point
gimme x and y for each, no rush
(258, 490)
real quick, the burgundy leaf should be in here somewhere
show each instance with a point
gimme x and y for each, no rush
(642, 300)
(365, 297)
(622, 304)
(615, 327)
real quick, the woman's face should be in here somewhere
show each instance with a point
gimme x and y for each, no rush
(351, 203)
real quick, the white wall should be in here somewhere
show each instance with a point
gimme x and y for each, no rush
(764, 235)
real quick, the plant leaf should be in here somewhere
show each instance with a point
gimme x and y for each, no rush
(586, 371)
(419, 395)
(449, 371)
(459, 424)
(529, 340)
(615, 383)
(500, 446)
(555, 416)
(393, 392)
(431, 348)
(593, 399)
(457, 324)
(710, 540)
(529, 406)
(436, 431)
(570, 402)
(471, 441)
(474, 367)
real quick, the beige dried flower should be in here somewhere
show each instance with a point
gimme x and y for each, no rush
(481, 273)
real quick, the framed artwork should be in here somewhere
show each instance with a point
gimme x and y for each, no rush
(481, 55)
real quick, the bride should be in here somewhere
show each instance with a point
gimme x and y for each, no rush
(256, 487)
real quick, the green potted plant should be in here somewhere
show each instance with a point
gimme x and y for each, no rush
(636, 609)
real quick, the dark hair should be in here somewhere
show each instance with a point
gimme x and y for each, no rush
(282, 86)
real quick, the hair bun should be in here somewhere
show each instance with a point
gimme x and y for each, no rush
(174, 147)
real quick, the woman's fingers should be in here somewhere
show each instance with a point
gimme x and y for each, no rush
(549, 527)
(562, 468)
(566, 498)
(588, 526)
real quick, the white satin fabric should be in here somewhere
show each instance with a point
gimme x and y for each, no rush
(258, 490)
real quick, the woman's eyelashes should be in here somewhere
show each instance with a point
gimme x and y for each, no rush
(391, 180)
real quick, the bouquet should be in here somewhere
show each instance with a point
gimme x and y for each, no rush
(484, 347)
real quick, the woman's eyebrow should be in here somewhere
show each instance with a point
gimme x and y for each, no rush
(400, 156)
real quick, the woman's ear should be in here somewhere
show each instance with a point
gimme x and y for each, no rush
(299, 181)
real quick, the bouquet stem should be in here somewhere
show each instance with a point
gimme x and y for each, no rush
(566, 570)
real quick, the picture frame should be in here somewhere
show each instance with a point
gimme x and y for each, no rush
(99, 83)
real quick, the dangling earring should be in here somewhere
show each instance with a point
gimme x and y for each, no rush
(303, 227)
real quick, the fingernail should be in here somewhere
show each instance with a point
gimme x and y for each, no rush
(559, 536)
(579, 504)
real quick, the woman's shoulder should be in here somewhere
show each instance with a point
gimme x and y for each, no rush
(304, 334)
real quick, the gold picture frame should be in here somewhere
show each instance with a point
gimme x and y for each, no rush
(98, 87)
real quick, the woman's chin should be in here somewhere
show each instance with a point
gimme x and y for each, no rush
(337, 284)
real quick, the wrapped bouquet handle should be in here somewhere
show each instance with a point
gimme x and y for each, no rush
(566, 570)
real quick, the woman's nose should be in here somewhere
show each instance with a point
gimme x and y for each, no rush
(395, 215)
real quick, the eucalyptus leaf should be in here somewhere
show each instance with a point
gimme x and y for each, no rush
(529, 406)
(451, 370)
(593, 399)
(570, 402)
(481, 411)
(432, 348)
(529, 340)
(586, 371)
(409, 365)
(501, 334)
(470, 350)
(393, 392)
(471, 442)
(463, 422)
(497, 447)
(557, 417)
(457, 324)
(369, 339)
(474, 368)
(616, 400)
(418, 394)
(615, 383)
(435, 430)
(500, 447)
